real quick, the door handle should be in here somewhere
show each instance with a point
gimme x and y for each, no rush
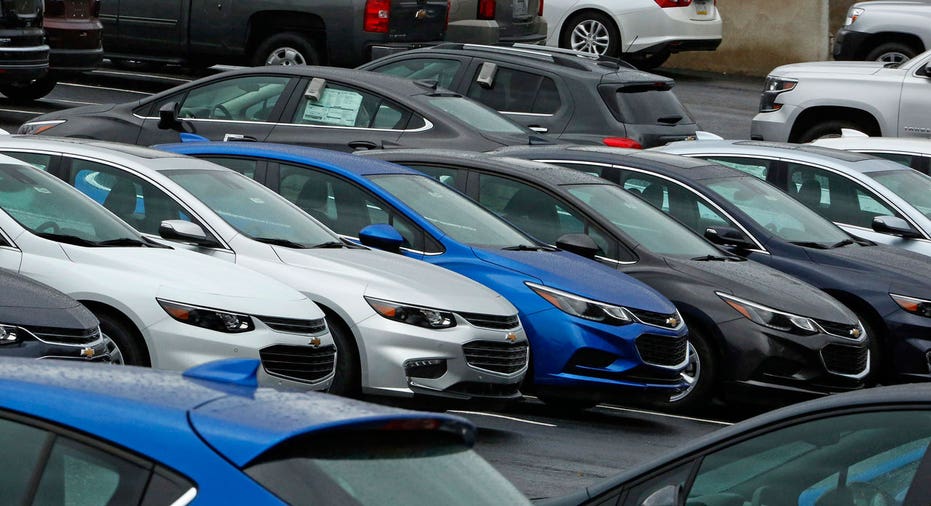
(362, 145)
(238, 137)
(539, 129)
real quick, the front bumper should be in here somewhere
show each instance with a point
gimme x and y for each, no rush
(51, 345)
(773, 126)
(75, 60)
(848, 44)
(23, 64)
(289, 360)
(470, 362)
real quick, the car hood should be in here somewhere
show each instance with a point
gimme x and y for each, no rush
(29, 303)
(905, 272)
(758, 283)
(831, 68)
(84, 110)
(569, 272)
(397, 278)
(194, 278)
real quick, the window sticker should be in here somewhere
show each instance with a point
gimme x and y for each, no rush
(335, 107)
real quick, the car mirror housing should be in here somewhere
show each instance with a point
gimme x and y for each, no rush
(185, 231)
(727, 236)
(894, 225)
(168, 118)
(670, 495)
(382, 236)
(580, 244)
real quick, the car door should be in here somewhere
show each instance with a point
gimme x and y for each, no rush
(240, 107)
(339, 116)
(149, 27)
(536, 99)
(914, 120)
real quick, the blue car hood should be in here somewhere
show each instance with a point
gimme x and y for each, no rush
(903, 270)
(571, 273)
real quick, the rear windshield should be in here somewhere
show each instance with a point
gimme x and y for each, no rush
(645, 104)
(412, 468)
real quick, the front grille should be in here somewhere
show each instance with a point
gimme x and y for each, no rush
(657, 319)
(664, 351)
(299, 363)
(293, 325)
(55, 335)
(838, 329)
(846, 360)
(505, 358)
(490, 321)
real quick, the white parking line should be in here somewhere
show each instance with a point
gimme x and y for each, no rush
(76, 85)
(493, 415)
(665, 415)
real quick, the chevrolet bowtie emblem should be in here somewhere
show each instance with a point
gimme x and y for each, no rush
(88, 352)
(420, 14)
(511, 337)
(672, 322)
(855, 333)
(315, 342)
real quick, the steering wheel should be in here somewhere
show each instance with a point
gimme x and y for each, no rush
(224, 113)
(867, 494)
(50, 225)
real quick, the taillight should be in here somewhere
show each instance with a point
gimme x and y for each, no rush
(376, 16)
(621, 142)
(96, 11)
(486, 9)
(673, 3)
(540, 9)
(55, 8)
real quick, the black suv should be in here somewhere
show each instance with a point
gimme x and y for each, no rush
(575, 97)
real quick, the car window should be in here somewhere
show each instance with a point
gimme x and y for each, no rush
(250, 98)
(835, 197)
(244, 166)
(517, 91)
(21, 446)
(755, 167)
(905, 159)
(342, 206)
(676, 201)
(131, 198)
(441, 70)
(476, 115)
(446, 175)
(341, 106)
(644, 104)
(37, 160)
(909, 185)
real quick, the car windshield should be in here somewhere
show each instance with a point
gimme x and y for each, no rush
(50, 208)
(457, 216)
(392, 467)
(910, 185)
(782, 215)
(649, 226)
(252, 209)
(476, 115)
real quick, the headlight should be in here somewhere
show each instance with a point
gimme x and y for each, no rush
(772, 88)
(213, 319)
(852, 15)
(413, 315)
(920, 307)
(37, 127)
(582, 307)
(772, 318)
(9, 334)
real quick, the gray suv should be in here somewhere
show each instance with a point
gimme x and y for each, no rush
(887, 31)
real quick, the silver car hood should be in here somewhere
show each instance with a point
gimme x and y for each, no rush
(829, 68)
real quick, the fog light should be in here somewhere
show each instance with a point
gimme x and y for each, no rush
(430, 368)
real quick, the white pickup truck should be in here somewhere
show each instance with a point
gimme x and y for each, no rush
(806, 101)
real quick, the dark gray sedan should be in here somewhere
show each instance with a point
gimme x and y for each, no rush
(313, 106)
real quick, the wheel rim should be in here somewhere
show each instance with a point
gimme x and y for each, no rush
(285, 56)
(590, 36)
(691, 374)
(893, 57)
(116, 355)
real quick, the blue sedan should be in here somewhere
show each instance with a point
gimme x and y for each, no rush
(80, 434)
(595, 333)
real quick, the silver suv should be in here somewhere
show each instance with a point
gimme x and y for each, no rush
(886, 31)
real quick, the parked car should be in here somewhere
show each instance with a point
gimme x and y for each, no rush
(594, 333)
(858, 448)
(161, 307)
(571, 96)
(909, 151)
(496, 21)
(888, 31)
(317, 106)
(778, 351)
(806, 101)
(643, 32)
(37, 321)
(267, 32)
(871, 198)
(759, 222)
(26, 57)
(121, 435)
(402, 327)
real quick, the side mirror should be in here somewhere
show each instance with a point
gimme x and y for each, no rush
(670, 495)
(894, 226)
(727, 236)
(168, 118)
(381, 236)
(580, 244)
(185, 231)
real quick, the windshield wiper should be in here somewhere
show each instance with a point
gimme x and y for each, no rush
(122, 241)
(329, 244)
(712, 258)
(67, 239)
(810, 244)
(841, 244)
(528, 247)
(280, 242)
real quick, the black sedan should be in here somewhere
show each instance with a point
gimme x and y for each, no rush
(867, 448)
(313, 106)
(888, 288)
(37, 321)
(755, 332)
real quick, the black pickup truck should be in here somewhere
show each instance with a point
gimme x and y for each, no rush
(201, 33)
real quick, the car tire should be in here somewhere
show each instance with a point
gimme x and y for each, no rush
(348, 379)
(563, 403)
(289, 48)
(579, 28)
(703, 373)
(124, 338)
(29, 91)
(830, 128)
(647, 61)
(892, 52)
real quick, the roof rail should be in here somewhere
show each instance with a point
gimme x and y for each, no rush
(560, 56)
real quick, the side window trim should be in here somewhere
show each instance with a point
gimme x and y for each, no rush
(565, 98)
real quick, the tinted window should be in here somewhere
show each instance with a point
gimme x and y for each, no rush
(679, 202)
(21, 447)
(646, 104)
(904, 159)
(517, 91)
(431, 69)
(244, 166)
(755, 167)
(243, 99)
(341, 106)
(475, 115)
(446, 175)
(37, 160)
(911, 186)
(835, 197)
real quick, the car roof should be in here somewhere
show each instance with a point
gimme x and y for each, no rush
(90, 146)
(904, 144)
